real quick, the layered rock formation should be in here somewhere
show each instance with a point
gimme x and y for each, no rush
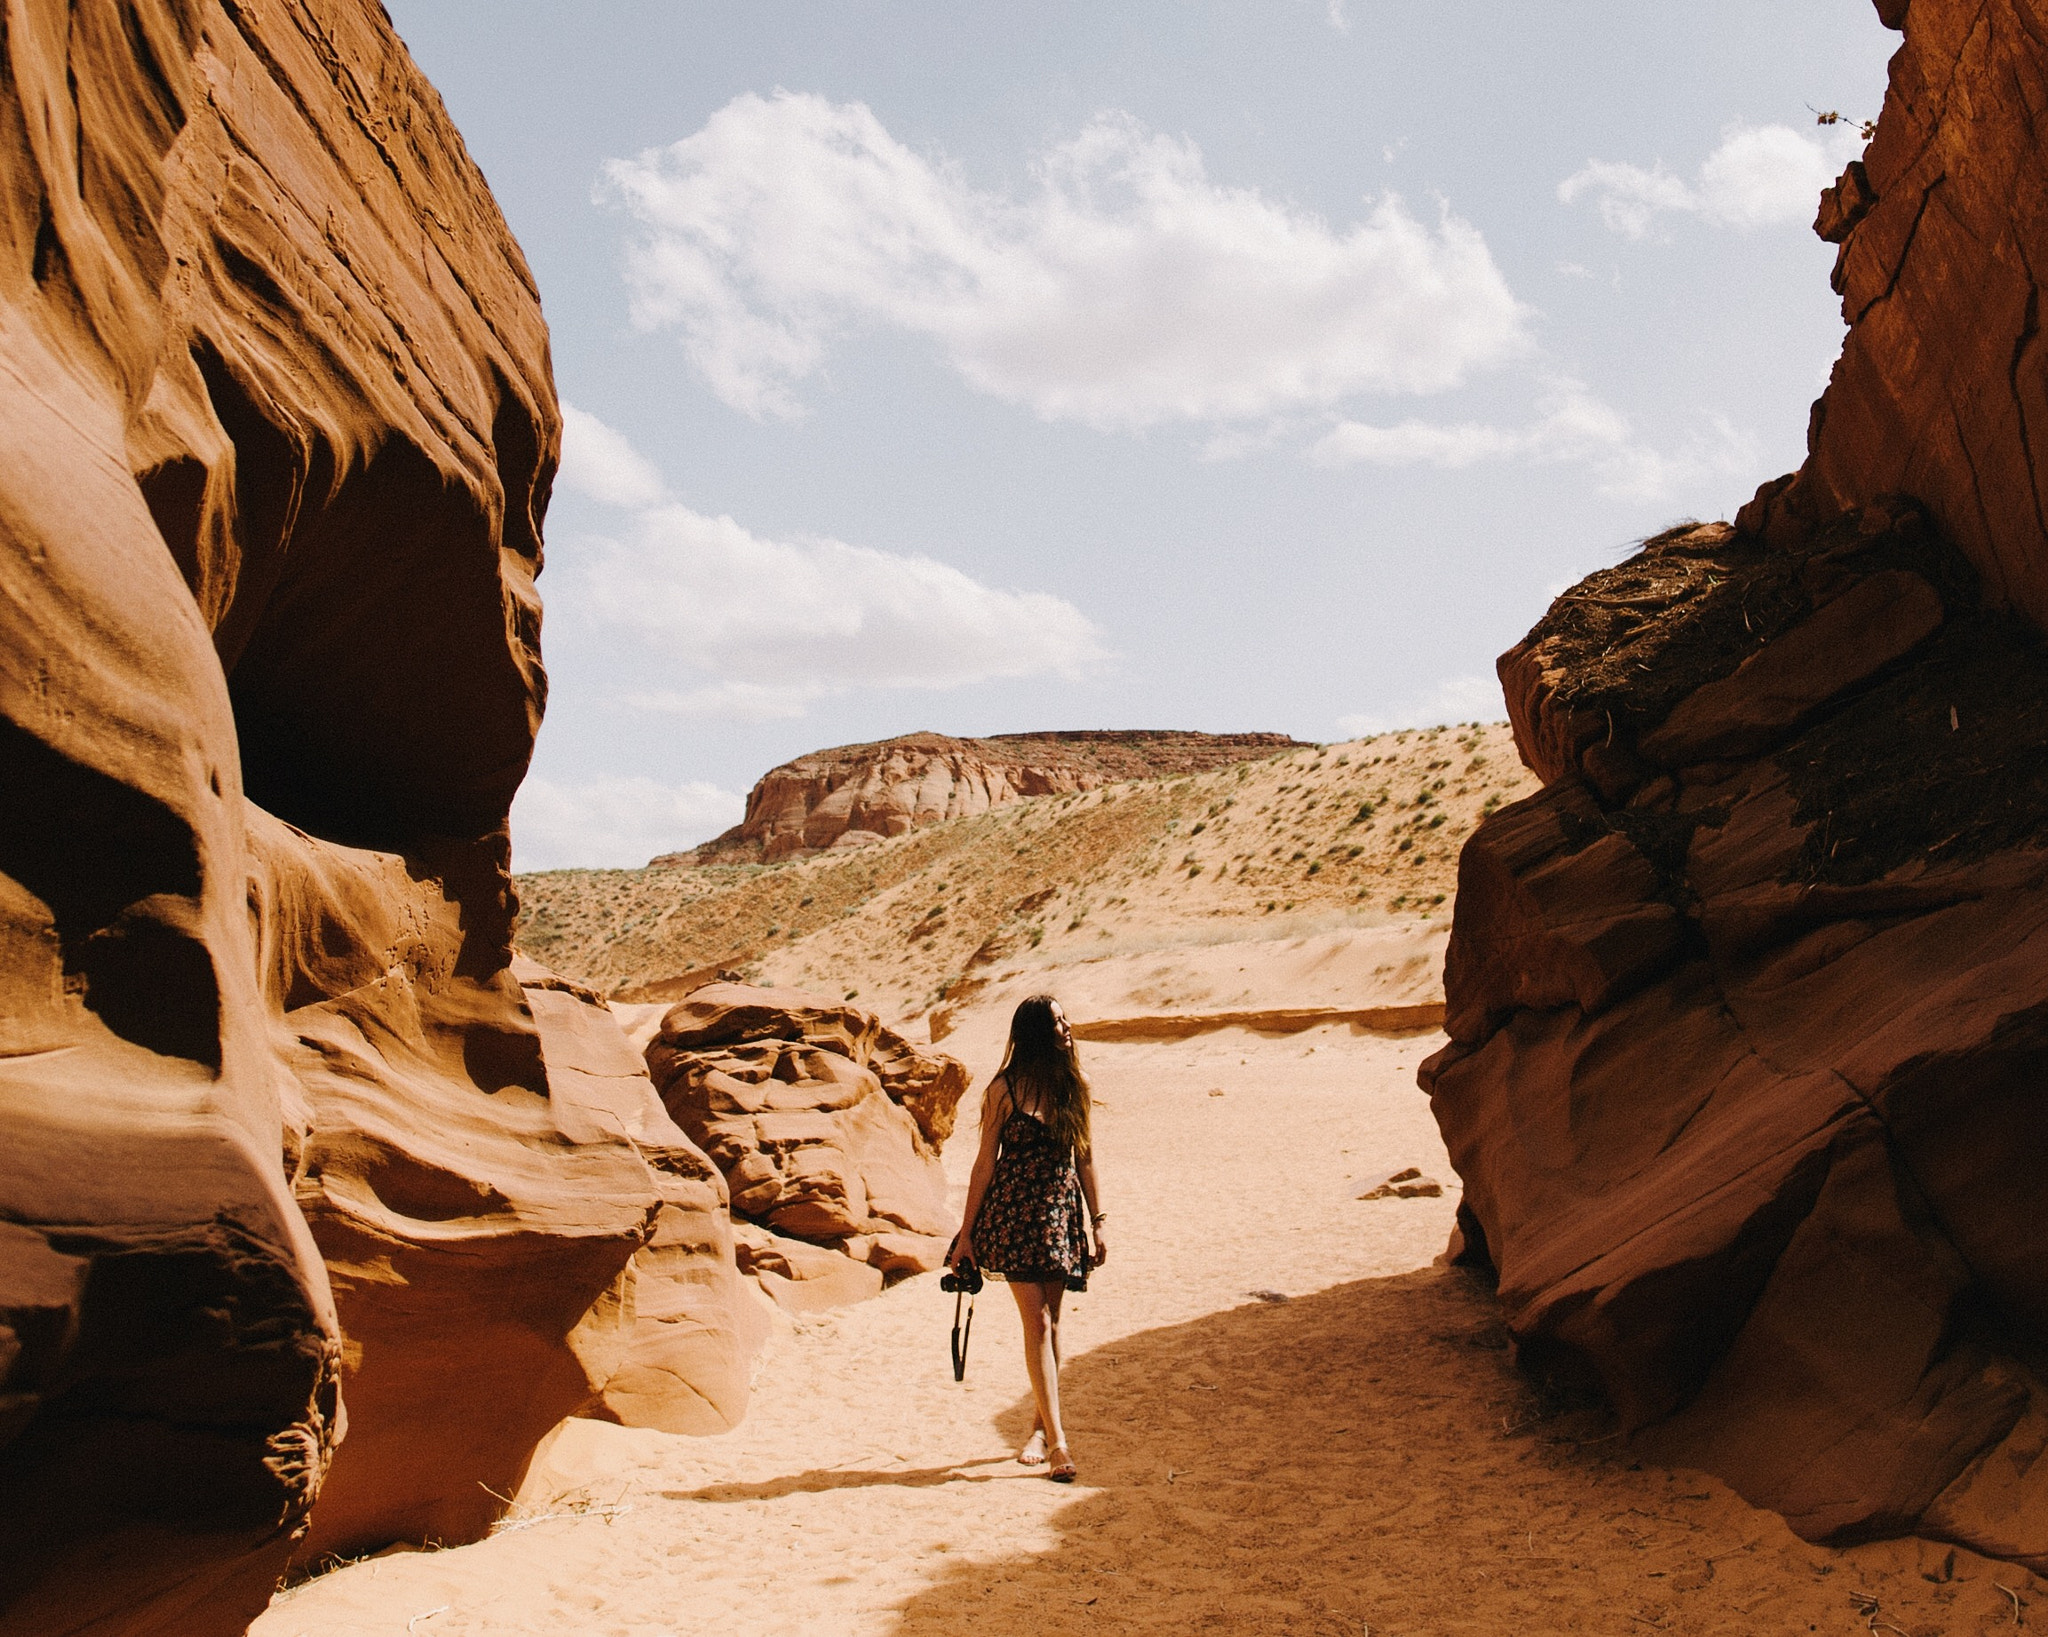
(287, 1148)
(859, 794)
(826, 1125)
(1940, 391)
(1749, 1007)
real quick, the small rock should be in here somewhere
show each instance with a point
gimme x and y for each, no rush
(1274, 1296)
(1408, 1184)
(1217, 1093)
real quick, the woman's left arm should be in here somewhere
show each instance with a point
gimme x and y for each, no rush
(1084, 1167)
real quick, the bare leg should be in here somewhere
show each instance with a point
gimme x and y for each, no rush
(1038, 1306)
(1059, 1459)
(1033, 1452)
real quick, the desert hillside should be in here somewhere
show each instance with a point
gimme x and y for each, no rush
(1317, 841)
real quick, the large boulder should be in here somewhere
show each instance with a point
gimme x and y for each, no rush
(287, 1147)
(682, 1332)
(827, 1126)
(1749, 1006)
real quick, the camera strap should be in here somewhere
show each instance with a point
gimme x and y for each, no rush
(961, 1332)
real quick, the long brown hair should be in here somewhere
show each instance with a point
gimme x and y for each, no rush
(1038, 1062)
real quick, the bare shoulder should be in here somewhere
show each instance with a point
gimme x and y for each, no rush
(996, 1099)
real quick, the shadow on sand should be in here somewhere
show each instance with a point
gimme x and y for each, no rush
(1245, 1471)
(1366, 1460)
(821, 1479)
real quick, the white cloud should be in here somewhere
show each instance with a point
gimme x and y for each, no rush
(734, 701)
(778, 621)
(1413, 443)
(1572, 426)
(1236, 442)
(757, 629)
(1125, 289)
(598, 462)
(1338, 20)
(1457, 699)
(614, 823)
(1760, 176)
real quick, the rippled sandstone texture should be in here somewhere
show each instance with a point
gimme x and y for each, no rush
(826, 1125)
(1749, 1006)
(857, 794)
(287, 1147)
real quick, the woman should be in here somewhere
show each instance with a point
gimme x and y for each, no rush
(1033, 1179)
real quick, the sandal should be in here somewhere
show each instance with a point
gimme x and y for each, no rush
(1033, 1452)
(1062, 1469)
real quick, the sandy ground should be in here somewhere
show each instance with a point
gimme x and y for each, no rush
(1286, 1421)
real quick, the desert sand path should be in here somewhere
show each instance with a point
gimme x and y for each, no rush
(1357, 1458)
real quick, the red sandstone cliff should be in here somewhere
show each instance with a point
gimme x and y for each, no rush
(863, 793)
(288, 1147)
(1749, 1007)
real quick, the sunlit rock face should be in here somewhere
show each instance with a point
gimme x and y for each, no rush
(827, 1127)
(287, 1148)
(1749, 1006)
(855, 795)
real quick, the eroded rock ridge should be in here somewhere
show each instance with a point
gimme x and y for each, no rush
(858, 794)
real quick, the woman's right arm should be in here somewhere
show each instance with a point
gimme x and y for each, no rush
(994, 1103)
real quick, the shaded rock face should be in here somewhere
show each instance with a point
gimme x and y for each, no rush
(1941, 391)
(859, 794)
(1749, 1006)
(1749, 1009)
(826, 1125)
(275, 393)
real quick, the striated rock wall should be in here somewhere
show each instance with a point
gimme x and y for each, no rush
(1749, 1006)
(863, 793)
(288, 1150)
(1941, 391)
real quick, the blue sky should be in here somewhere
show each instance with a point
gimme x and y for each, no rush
(1212, 365)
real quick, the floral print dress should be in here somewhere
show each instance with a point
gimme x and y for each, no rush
(1030, 1228)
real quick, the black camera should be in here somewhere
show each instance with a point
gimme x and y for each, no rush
(966, 1277)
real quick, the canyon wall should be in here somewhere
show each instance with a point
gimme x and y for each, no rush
(1749, 1006)
(312, 1216)
(857, 794)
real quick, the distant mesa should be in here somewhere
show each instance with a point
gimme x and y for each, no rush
(856, 795)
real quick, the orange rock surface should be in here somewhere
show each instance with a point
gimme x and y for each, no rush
(288, 1149)
(826, 1125)
(1941, 391)
(1749, 1006)
(862, 793)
